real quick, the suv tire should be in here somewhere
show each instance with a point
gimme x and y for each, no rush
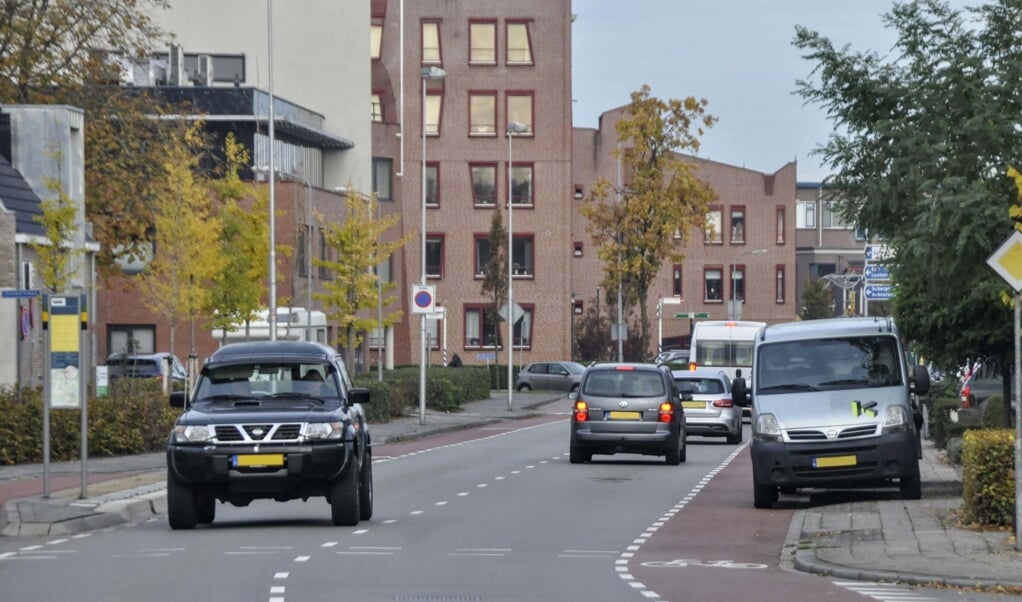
(737, 436)
(181, 510)
(205, 510)
(577, 457)
(344, 498)
(365, 489)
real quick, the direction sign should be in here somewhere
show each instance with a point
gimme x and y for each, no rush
(876, 272)
(692, 315)
(878, 292)
(20, 294)
(877, 252)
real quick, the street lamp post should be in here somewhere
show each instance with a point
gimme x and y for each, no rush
(513, 129)
(734, 313)
(272, 317)
(432, 73)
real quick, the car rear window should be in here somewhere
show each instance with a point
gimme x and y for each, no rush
(700, 386)
(620, 383)
(135, 368)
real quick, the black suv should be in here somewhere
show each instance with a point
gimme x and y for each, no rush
(270, 420)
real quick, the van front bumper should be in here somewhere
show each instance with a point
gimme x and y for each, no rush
(835, 463)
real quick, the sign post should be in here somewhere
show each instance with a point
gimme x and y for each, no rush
(1007, 262)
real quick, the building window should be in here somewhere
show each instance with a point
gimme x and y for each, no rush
(713, 291)
(779, 296)
(482, 329)
(324, 255)
(521, 184)
(434, 256)
(383, 170)
(227, 68)
(431, 54)
(434, 105)
(433, 333)
(738, 282)
(482, 107)
(780, 225)
(484, 184)
(577, 307)
(805, 214)
(301, 242)
(738, 224)
(134, 338)
(375, 38)
(832, 217)
(676, 280)
(385, 270)
(860, 234)
(578, 248)
(713, 226)
(519, 44)
(376, 107)
(519, 110)
(482, 43)
(433, 184)
(523, 328)
(522, 256)
(579, 192)
(483, 255)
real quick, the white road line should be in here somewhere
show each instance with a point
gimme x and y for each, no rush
(441, 503)
(281, 575)
(277, 589)
(56, 542)
(328, 544)
(884, 592)
(301, 559)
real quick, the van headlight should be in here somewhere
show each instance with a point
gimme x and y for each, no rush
(895, 419)
(192, 433)
(766, 428)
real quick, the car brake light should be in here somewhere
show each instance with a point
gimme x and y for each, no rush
(581, 411)
(625, 368)
(666, 412)
(723, 403)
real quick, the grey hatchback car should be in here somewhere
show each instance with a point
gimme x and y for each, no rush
(711, 412)
(553, 376)
(627, 408)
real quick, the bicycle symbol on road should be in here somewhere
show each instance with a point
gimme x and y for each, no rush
(722, 564)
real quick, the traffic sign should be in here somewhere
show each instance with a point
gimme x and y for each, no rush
(1007, 260)
(423, 299)
(878, 292)
(876, 272)
(878, 252)
(20, 294)
(693, 315)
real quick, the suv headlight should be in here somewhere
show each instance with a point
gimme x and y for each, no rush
(193, 433)
(324, 430)
(895, 419)
(766, 428)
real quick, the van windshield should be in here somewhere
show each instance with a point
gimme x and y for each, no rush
(724, 354)
(828, 364)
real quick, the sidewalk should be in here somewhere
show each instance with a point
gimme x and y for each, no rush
(874, 539)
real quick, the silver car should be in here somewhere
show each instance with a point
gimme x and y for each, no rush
(627, 408)
(551, 376)
(711, 411)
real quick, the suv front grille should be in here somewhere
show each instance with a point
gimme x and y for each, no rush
(255, 433)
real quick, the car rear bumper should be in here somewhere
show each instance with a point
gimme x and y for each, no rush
(654, 438)
(858, 462)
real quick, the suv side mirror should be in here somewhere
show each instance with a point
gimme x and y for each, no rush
(739, 392)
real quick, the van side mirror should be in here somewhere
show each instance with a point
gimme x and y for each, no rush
(919, 383)
(739, 392)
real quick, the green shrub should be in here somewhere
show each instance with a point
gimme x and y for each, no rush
(988, 476)
(993, 412)
(940, 419)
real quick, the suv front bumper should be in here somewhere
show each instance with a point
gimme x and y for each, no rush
(219, 466)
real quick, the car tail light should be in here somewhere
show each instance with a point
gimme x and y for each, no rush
(581, 411)
(723, 403)
(666, 412)
(692, 366)
(965, 396)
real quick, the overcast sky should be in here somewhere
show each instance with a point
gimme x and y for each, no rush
(735, 53)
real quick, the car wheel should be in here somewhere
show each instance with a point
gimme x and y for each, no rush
(205, 510)
(911, 487)
(576, 456)
(673, 457)
(764, 496)
(736, 437)
(524, 387)
(684, 448)
(181, 511)
(365, 489)
(344, 497)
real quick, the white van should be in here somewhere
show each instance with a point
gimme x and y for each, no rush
(724, 345)
(832, 407)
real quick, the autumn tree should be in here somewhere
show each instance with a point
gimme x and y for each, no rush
(176, 283)
(358, 245)
(494, 284)
(645, 220)
(235, 295)
(923, 135)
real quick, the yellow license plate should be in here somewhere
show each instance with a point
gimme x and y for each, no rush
(696, 405)
(832, 461)
(259, 460)
(616, 415)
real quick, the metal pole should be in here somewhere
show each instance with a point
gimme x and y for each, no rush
(379, 302)
(272, 317)
(733, 314)
(422, 236)
(620, 298)
(510, 279)
(308, 261)
(1018, 427)
(659, 326)
(83, 398)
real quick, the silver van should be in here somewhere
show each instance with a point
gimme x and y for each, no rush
(832, 407)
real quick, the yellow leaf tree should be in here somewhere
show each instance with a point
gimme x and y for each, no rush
(358, 246)
(646, 219)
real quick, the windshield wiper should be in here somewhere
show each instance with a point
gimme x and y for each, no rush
(846, 381)
(789, 387)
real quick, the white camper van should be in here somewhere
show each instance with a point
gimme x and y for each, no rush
(293, 324)
(724, 345)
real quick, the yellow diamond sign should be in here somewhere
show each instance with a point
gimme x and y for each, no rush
(1007, 260)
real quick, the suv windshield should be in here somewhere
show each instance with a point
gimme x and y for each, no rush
(268, 381)
(827, 364)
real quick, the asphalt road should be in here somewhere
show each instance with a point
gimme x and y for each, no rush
(489, 514)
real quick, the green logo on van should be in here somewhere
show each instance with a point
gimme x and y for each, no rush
(859, 408)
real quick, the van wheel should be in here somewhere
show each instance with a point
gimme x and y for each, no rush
(764, 496)
(911, 487)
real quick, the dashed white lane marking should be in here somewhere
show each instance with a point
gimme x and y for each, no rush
(328, 544)
(281, 575)
(277, 589)
(587, 554)
(884, 592)
(441, 503)
(301, 558)
(621, 564)
(370, 550)
(479, 552)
